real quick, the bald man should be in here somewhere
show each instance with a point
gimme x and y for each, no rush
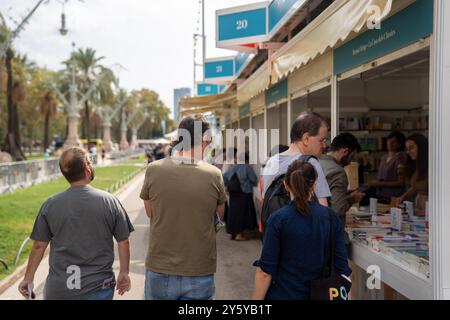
(80, 223)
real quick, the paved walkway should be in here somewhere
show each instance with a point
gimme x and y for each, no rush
(234, 277)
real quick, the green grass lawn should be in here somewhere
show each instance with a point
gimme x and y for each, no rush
(35, 157)
(19, 209)
(139, 159)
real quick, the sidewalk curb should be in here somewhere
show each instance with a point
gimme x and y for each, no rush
(6, 283)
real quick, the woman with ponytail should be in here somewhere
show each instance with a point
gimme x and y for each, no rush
(294, 246)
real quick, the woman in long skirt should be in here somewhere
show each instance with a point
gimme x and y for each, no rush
(241, 216)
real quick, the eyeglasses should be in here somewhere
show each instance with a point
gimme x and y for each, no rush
(323, 140)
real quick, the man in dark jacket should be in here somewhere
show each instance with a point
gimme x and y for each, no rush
(341, 151)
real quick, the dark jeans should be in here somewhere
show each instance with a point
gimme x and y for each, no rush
(103, 294)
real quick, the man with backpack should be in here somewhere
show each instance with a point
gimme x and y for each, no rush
(308, 141)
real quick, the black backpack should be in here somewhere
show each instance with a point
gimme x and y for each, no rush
(276, 197)
(234, 185)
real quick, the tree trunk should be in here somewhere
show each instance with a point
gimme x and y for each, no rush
(107, 143)
(46, 129)
(86, 120)
(31, 135)
(124, 140)
(16, 124)
(83, 125)
(67, 131)
(95, 129)
(9, 95)
(12, 144)
(72, 136)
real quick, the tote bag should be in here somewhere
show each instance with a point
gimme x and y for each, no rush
(330, 285)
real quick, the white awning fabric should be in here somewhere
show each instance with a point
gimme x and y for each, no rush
(258, 82)
(234, 114)
(335, 24)
(257, 103)
(190, 111)
(207, 101)
(318, 70)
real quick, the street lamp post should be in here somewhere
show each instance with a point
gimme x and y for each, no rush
(203, 37)
(13, 141)
(9, 37)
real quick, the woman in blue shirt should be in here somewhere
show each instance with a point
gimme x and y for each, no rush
(294, 245)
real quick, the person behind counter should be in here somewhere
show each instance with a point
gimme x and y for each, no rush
(391, 172)
(417, 172)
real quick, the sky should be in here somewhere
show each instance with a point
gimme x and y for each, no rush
(148, 43)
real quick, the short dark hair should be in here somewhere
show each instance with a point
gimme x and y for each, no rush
(72, 163)
(345, 140)
(307, 122)
(401, 139)
(188, 124)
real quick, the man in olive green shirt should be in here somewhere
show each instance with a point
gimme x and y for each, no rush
(181, 196)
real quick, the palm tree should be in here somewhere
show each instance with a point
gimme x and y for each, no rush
(16, 94)
(105, 92)
(87, 63)
(3, 76)
(5, 33)
(48, 109)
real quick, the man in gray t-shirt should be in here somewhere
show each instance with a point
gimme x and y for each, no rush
(80, 223)
(282, 162)
(308, 137)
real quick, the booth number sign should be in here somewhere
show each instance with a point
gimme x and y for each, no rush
(241, 24)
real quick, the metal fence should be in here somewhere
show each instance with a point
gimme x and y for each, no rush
(22, 174)
(15, 175)
(116, 186)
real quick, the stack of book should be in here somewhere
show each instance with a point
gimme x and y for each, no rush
(399, 242)
(409, 246)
